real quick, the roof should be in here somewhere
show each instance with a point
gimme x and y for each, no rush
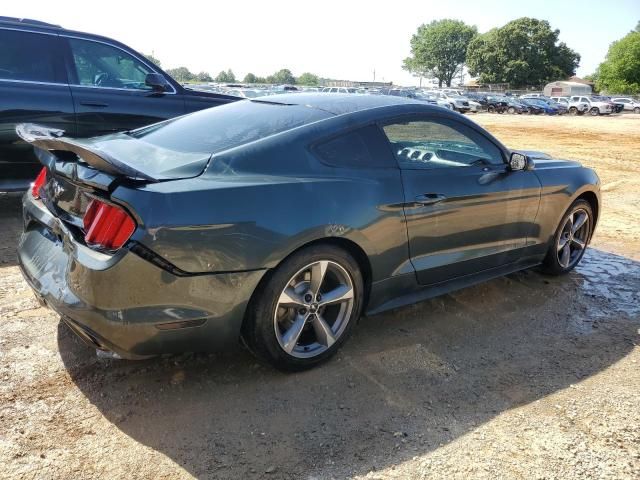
(337, 103)
(568, 84)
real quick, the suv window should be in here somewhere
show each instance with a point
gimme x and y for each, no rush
(361, 148)
(101, 65)
(27, 56)
(439, 143)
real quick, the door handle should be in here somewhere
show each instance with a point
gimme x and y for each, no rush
(430, 198)
(94, 104)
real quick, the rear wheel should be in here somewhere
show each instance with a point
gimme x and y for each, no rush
(306, 310)
(571, 239)
(594, 111)
(511, 110)
(491, 109)
(636, 110)
(573, 111)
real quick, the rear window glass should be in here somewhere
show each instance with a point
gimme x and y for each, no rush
(221, 128)
(27, 56)
(362, 148)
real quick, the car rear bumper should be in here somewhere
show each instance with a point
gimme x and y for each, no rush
(124, 303)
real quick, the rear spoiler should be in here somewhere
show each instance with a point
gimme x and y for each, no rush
(52, 139)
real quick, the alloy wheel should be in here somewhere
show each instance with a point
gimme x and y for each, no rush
(314, 309)
(573, 238)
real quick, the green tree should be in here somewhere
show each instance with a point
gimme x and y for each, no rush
(226, 77)
(181, 74)
(620, 71)
(203, 77)
(308, 79)
(153, 59)
(249, 78)
(261, 80)
(523, 52)
(439, 49)
(281, 77)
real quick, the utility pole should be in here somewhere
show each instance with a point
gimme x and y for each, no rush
(374, 74)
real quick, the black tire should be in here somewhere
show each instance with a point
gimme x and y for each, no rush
(594, 111)
(573, 111)
(636, 110)
(551, 264)
(259, 328)
(491, 109)
(511, 110)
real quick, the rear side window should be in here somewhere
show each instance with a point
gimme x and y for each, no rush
(220, 128)
(27, 56)
(361, 148)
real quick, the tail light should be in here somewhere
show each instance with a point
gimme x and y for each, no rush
(107, 226)
(38, 183)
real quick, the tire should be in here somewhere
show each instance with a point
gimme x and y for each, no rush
(286, 327)
(557, 262)
(594, 112)
(636, 110)
(511, 110)
(573, 111)
(491, 109)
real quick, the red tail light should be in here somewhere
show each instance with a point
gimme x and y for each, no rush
(39, 182)
(107, 226)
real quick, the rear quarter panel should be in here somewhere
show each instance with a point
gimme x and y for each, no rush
(226, 220)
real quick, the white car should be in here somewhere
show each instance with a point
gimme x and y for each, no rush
(339, 90)
(595, 107)
(456, 102)
(630, 105)
(574, 107)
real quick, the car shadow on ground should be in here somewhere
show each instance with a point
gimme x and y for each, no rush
(407, 382)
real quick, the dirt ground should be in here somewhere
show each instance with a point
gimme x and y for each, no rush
(525, 376)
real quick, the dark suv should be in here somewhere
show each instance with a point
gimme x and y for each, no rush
(81, 83)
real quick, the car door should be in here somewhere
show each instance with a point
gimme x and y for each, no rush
(33, 88)
(465, 211)
(109, 90)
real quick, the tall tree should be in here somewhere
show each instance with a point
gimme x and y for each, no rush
(620, 72)
(203, 77)
(281, 77)
(181, 74)
(308, 79)
(439, 49)
(226, 77)
(523, 52)
(249, 78)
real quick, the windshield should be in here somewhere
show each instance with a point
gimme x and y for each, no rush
(220, 128)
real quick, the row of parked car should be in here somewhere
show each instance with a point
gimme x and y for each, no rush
(464, 101)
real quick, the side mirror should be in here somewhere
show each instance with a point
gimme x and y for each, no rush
(157, 82)
(519, 161)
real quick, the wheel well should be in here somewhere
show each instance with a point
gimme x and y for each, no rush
(350, 246)
(593, 201)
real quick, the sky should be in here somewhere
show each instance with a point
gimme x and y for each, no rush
(333, 39)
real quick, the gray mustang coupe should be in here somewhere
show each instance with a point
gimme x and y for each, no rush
(281, 220)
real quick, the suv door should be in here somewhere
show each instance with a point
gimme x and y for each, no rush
(465, 211)
(33, 88)
(109, 90)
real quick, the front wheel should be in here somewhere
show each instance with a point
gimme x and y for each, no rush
(573, 111)
(306, 310)
(636, 110)
(491, 109)
(594, 111)
(511, 110)
(571, 239)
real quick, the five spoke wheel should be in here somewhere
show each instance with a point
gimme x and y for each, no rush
(573, 238)
(313, 309)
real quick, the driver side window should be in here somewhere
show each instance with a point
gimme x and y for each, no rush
(440, 143)
(101, 65)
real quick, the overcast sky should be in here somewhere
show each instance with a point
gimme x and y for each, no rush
(336, 39)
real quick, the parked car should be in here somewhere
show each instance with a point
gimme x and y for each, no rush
(538, 106)
(574, 107)
(283, 225)
(496, 104)
(457, 102)
(79, 83)
(628, 104)
(615, 106)
(434, 99)
(340, 90)
(596, 107)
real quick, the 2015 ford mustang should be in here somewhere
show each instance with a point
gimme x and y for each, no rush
(281, 220)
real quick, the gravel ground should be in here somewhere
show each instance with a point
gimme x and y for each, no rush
(525, 376)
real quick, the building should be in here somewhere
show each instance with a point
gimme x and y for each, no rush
(567, 89)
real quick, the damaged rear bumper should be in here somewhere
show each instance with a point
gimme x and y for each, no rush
(125, 304)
